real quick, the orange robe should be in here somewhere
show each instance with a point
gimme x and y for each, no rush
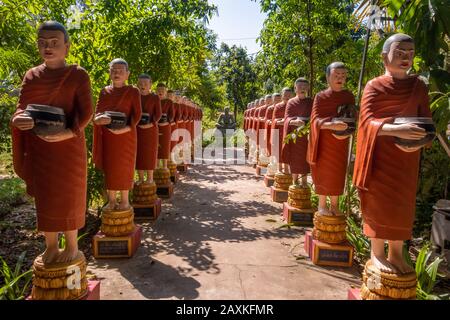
(55, 172)
(278, 114)
(115, 154)
(174, 125)
(165, 131)
(326, 154)
(245, 119)
(267, 117)
(295, 153)
(260, 125)
(190, 124)
(385, 176)
(147, 139)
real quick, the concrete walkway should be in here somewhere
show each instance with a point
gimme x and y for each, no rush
(219, 237)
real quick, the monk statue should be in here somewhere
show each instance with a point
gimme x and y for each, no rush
(48, 141)
(297, 114)
(226, 120)
(386, 173)
(147, 130)
(164, 125)
(118, 113)
(276, 98)
(327, 151)
(278, 118)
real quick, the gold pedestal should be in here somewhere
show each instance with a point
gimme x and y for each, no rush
(172, 166)
(330, 229)
(144, 193)
(117, 223)
(379, 285)
(282, 181)
(161, 176)
(59, 281)
(299, 197)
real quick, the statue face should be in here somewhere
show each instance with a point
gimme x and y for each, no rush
(286, 95)
(301, 89)
(337, 79)
(119, 73)
(400, 57)
(161, 92)
(171, 96)
(276, 100)
(51, 45)
(144, 86)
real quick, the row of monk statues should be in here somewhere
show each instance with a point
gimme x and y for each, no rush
(394, 125)
(133, 128)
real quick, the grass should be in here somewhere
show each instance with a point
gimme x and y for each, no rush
(12, 193)
(15, 282)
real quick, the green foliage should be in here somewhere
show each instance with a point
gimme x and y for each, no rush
(12, 192)
(62, 240)
(15, 283)
(433, 183)
(427, 273)
(233, 68)
(297, 133)
(358, 240)
(300, 38)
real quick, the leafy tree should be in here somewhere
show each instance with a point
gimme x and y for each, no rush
(234, 68)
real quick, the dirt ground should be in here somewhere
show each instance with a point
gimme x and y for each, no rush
(219, 237)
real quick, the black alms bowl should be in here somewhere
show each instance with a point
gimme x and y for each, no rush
(48, 120)
(304, 119)
(351, 123)
(422, 122)
(118, 120)
(145, 119)
(164, 118)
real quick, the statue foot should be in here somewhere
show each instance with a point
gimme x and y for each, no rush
(324, 212)
(124, 206)
(67, 255)
(337, 212)
(110, 206)
(400, 264)
(382, 264)
(50, 255)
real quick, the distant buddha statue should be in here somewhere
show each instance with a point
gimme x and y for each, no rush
(226, 120)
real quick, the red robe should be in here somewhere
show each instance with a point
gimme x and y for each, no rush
(190, 122)
(165, 131)
(385, 176)
(326, 154)
(147, 139)
(295, 153)
(278, 114)
(245, 119)
(55, 172)
(260, 126)
(267, 117)
(174, 125)
(116, 154)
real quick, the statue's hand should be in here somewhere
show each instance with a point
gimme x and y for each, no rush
(409, 132)
(336, 126)
(23, 122)
(64, 135)
(297, 122)
(279, 122)
(102, 120)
